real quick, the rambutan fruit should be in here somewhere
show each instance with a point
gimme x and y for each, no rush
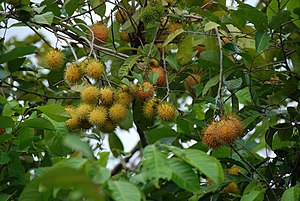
(74, 122)
(90, 95)
(117, 112)
(226, 131)
(84, 110)
(160, 47)
(94, 69)
(149, 108)
(191, 81)
(73, 73)
(153, 63)
(125, 36)
(237, 124)
(121, 16)
(85, 124)
(152, 13)
(231, 188)
(124, 98)
(166, 111)
(234, 170)
(54, 59)
(108, 127)
(106, 96)
(210, 135)
(100, 32)
(98, 116)
(161, 75)
(146, 91)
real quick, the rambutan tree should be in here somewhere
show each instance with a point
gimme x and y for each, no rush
(211, 90)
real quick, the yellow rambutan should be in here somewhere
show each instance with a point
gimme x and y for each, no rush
(210, 135)
(73, 73)
(149, 108)
(234, 170)
(146, 91)
(125, 36)
(106, 96)
(161, 75)
(98, 116)
(84, 110)
(100, 32)
(117, 112)
(166, 111)
(54, 59)
(90, 95)
(108, 127)
(237, 124)
(74, 122)
(232, 187)
(94, 69)
(226, 131)
(124, 98)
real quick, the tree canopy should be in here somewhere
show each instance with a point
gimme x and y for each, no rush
(212, 90)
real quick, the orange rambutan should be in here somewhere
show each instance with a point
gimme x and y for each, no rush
(117, 112)
(125, 36)
(90, 95)
(84, 110)
(231, 188)
(106, 96)
(94, 69)
(210, 135)
(161, 75)
(73, 73)
(234, 170)
(166, 111)
(149, 108)
(191, 81)
(98, 116)
(54, 59)
(146, 91)
(100, 32)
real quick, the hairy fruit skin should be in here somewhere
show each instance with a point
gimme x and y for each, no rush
(84, 110)
(54, 59)
(149, 108)
(146, 91)
(166, 111)
(234, 170)
(74, 122)
(100, 32)
(125, 36)
(107, 96)
(73, 73)
(161, 75)
(94, 69)
(108, 127)
(231, 188)
(90, 95)
(98, 116)
(191, 81)
(124, 98)
(209, 135)
(117, 112)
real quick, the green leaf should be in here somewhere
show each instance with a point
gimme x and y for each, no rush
(55, 112)
(38, 123)
(98, 173)
(261, 41)
(158, 134)
(74, 142)
(124, 191)
(206, 164)
(291, 194)
(233, 84)
(6, 122)
(185, 51)
(45, 18)
(3, 73)
(279, 18)
(31, 192)
(14, 65)
(212, 82)
(254, 196)
(125, 68)
(4, 158)
(253, 15)
(171, 59)
(153, 77)
(172, 36)
(156, 164)
(5, 197)
(115, 144)
(17, 52)
(183, 175)
(246, 122)
(210, 26)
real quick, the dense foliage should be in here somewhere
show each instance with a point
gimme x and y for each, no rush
(211, 90)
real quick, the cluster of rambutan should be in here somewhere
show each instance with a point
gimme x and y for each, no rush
(104, 108)
(221, 132)
(164, 110)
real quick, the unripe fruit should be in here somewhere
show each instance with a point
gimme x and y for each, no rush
(108, 127)
(231, 188)
(98, 116)
(94, 69)
(145, 91)
(100, 32)
(54, 59)
(90, 95)
(121, 16)
(234, 170)
(106, 96)
(125, 36)
(191, 81)
(84, 110)
(117, 112)
(161, 75)
(73, 73)
(150, 108)
(210, 135)
(166, 111)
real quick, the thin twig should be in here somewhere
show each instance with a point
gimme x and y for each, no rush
(221, 73)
